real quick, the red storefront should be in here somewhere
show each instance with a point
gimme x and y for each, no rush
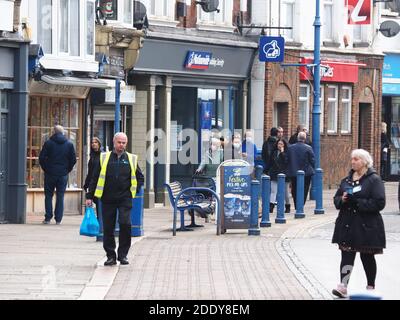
(350, 105)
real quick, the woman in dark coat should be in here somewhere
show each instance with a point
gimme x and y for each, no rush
(359, 226)
(95, 152)
(278, 163)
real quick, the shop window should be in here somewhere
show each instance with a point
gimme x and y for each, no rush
(288, 18)
(44, 114)
(332, 108)
(304, 106)
(395, 137)
(327, 23)
(346, 110)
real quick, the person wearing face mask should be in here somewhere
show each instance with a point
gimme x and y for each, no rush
(249, 149)
(233, 150)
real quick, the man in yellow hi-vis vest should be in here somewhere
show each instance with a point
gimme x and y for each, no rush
(116, 179)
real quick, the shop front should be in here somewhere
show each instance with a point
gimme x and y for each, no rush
(349, 101)
(13, 105)
(53, 104)
(391, 113)
(193, 92)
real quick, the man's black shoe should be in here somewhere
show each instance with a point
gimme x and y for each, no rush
(110, 262)
(124, 261)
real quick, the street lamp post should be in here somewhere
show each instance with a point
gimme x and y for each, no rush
(317, 185)
(117, 105)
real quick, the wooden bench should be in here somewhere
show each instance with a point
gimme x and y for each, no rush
(191, 201)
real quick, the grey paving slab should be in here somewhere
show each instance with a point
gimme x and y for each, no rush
(54, 262)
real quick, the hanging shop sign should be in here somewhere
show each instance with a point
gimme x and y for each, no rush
(332, 71)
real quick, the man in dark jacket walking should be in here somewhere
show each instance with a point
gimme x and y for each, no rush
(57, 158)
(300, 157)
(116, 180)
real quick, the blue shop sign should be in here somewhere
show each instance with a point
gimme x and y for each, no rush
(271, 49)
(198, 60)
(236, 198)
(391, 75)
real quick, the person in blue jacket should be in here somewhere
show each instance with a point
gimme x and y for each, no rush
(249, 149)
(57, 159)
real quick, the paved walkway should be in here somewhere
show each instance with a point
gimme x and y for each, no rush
(54, 262)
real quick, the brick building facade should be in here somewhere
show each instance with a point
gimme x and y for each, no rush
(287, 89)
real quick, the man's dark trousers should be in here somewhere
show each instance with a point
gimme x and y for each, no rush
(109, 212)
(60, 184)
(307, 182)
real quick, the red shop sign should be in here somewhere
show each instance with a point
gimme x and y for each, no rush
(332, 71)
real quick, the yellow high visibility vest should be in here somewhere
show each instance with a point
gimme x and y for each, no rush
(104, 158)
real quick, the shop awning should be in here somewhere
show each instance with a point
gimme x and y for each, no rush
(75, 81)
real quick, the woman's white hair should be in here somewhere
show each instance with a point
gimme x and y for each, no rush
(364, 156)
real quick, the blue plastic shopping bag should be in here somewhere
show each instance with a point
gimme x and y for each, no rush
(89, 226)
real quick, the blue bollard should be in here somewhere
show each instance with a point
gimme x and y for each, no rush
(265, 195)
(255, 190)
(259, 171)
(137, 214)
(300, 195)
(318, 189)
(280, 216)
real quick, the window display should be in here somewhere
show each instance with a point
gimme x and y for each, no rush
(44, 114)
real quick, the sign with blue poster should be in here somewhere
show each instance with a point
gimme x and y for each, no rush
(391, 75)
(236, 197)
(271, 49)
(206, 114)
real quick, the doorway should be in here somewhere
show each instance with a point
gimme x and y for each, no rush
(281, 116)
(3, 154)
(184, 115)
(364, 126)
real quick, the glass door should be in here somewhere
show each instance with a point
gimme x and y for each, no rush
(395, 138)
